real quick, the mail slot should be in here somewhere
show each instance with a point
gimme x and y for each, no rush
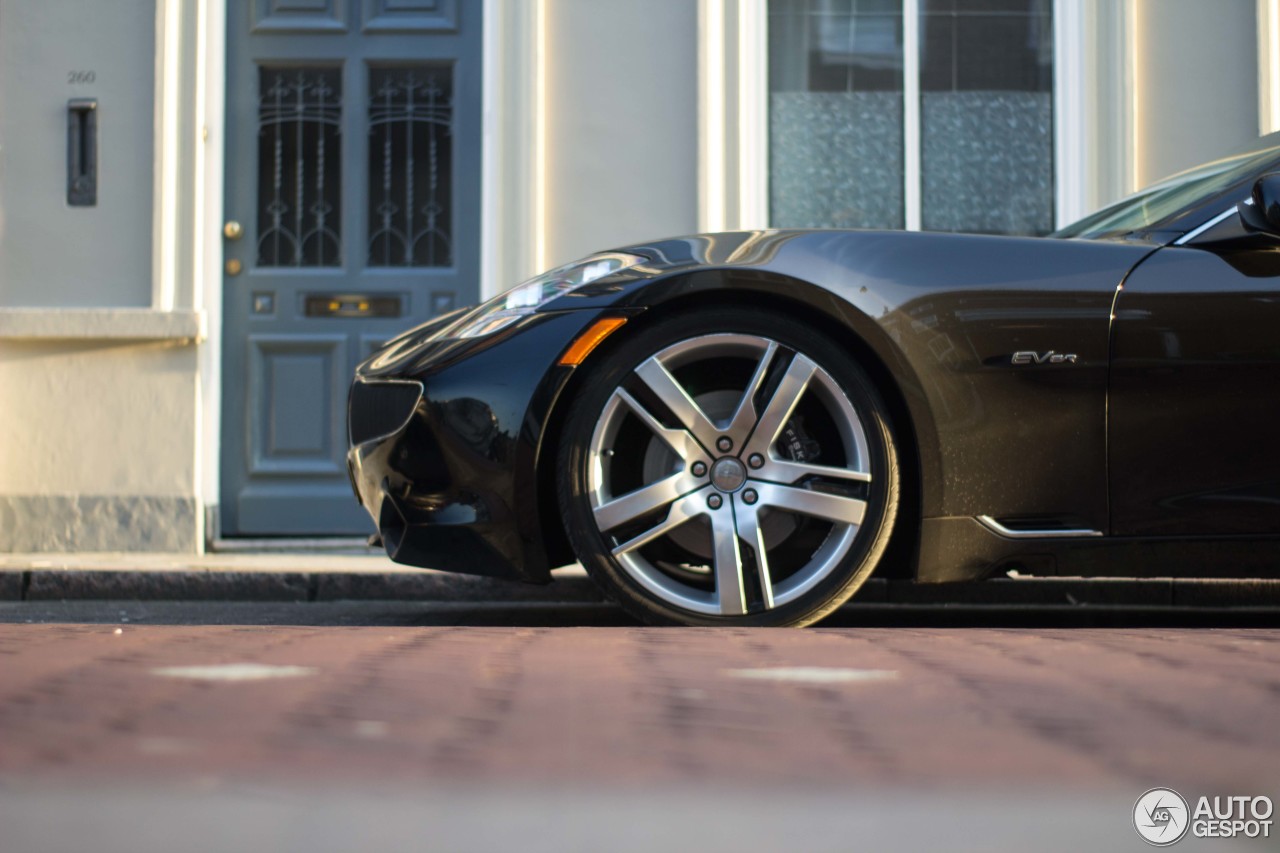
(352, 305)
(82, 152)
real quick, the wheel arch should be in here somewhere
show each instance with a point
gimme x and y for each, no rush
(820, 308)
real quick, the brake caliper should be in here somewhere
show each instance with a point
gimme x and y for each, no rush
(795, 444)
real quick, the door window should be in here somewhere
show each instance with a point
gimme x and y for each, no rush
(410, 164)
(299, 167)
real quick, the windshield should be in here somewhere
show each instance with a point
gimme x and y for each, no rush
(1160, 201)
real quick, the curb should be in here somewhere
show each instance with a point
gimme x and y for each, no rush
(573, 586)
(104, 585)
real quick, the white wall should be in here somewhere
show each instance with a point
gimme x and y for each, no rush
(98, 378)
(97, 450)
(1195, 75)
(52, 254)
(621, 123)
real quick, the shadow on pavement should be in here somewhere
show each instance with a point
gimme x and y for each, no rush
(586, 614)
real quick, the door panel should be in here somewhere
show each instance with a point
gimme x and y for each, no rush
(290, 378)
(353, 173)
(1195, 415)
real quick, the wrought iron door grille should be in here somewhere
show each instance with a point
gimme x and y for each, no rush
(410, 166)
(299, 167)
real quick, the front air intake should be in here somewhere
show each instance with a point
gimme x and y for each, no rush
(380, 407)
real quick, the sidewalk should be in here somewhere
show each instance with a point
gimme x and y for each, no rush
(365, 574)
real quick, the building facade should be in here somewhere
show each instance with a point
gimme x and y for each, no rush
(211, 210)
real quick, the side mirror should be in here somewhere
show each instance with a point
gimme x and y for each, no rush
(1264, 213)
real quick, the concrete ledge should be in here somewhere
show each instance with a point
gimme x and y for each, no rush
(300, 586)
(135, 324)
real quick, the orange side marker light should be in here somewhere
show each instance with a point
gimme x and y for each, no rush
(590, 339)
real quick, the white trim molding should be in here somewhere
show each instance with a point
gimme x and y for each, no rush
(167, 201)
(753, 114)
(712, 120)
(1268, 66)
(733, 115)
(513, 191)
(1133, 85)
(911, 165)
(209, 194)
(1071, 121)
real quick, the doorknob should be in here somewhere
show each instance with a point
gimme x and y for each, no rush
(232, 230)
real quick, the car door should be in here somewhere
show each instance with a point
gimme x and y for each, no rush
(1194, 415)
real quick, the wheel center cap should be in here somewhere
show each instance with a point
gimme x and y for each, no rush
(728, 474)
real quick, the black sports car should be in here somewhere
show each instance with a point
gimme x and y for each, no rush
(739, 428)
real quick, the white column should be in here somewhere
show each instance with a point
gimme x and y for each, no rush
(165, 237)
(1268, 66)
(513, 155)
(753, 114)
(1071, 122)
(210, 100)
(712, 91)
(911, 113)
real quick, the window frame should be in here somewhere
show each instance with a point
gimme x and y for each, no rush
(733, 113)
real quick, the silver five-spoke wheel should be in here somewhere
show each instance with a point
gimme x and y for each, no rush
(730, 474)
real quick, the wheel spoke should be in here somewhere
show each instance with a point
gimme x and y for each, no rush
(780, 406)
(749, 529)
(681, 442)
(681, 510)
(745, 417)
(836, 508)
(730, 591)
(785, 471)
(669, 391)
(642, 501)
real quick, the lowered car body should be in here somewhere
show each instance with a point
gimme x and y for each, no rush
(1084, 405)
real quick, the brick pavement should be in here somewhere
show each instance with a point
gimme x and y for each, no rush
(923, 708)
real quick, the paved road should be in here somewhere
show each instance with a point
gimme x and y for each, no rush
(616, 737)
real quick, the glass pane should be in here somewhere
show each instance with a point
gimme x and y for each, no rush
(299, 167)
(410, 166)
(986, 115)
(835, 114)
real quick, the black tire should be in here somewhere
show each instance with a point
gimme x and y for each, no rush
(843, 575)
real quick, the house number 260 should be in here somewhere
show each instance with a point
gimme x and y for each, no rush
(74, 77)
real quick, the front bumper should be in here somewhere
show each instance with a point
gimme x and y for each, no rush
(454, 486)
(423, 516)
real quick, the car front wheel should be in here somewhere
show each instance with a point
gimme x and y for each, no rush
(729, 467)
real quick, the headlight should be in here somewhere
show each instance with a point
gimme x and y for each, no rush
(524, 299)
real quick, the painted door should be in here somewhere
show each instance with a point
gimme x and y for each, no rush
(1193, 408)
(353, 212)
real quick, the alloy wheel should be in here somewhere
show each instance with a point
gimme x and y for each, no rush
(729, 474)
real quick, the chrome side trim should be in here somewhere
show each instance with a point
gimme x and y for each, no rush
(1191, 235)
(1000, 530)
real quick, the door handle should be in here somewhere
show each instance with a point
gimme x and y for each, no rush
(232, 230)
